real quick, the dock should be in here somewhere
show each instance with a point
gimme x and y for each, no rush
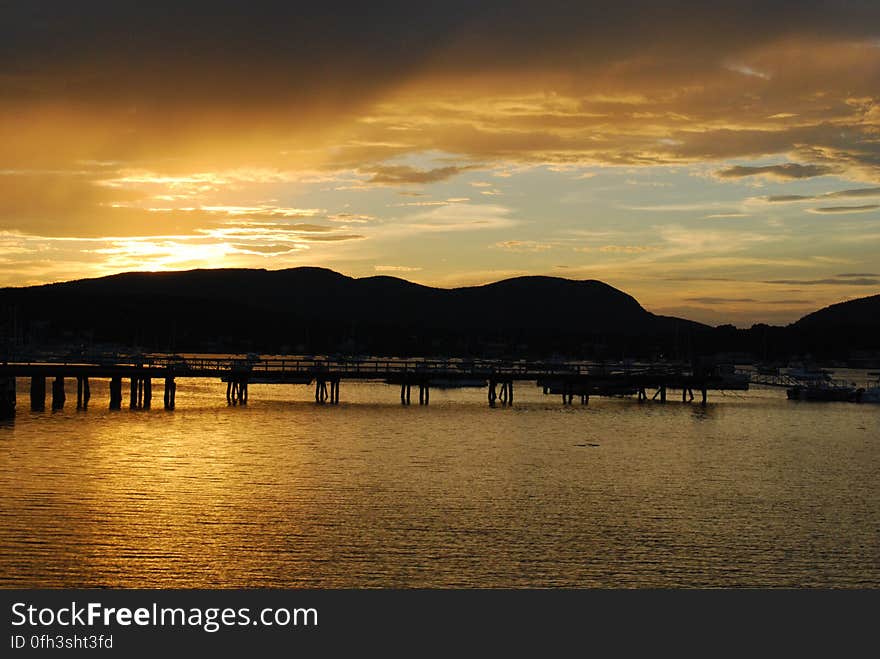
(567, 379)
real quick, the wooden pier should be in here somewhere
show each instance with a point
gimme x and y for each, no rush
(565, 379)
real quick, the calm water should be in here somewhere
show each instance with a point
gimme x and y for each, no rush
(753, 490)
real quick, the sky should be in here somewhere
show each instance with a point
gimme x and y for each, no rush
(717, 161)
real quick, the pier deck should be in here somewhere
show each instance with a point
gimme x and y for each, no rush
(565, 378)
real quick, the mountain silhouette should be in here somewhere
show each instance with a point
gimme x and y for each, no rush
(319, 311)
(842, 327)
(861, 312)
(315, 309)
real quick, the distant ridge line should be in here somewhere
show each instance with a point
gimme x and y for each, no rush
(318, 309)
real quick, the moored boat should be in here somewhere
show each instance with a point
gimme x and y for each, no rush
(822, 392)
(809, 374)
(871, 393)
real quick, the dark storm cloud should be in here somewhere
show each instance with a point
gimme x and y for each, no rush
(263, 52)
(215, 50)
(207, 84)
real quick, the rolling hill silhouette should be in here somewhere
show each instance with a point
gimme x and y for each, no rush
(855, 324)
(861, 312)
(315, 310)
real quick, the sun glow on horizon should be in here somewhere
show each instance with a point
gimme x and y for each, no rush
(727, 175)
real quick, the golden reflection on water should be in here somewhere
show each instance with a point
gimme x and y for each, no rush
(751, 490)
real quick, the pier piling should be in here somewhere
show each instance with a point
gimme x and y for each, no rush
(38, 393)
(567, 393)
(170, 392)
(7, 397)
(58, 396)
(116, 393)
(237, 391)
(140, 393)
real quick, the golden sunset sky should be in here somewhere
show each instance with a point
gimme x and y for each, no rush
(718, 161)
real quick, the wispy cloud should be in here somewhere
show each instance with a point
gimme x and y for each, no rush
(406, 175)
(839, 194)
(786, 171)
(831, 281)
(748, 71)
(351, 218)
(721, 301)
(787, 198)
(857, 192)
(724, 209)
(430, 202)
(866, 208)
(628, 249)
(395, 268)
(455, 217)
(523, 246)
